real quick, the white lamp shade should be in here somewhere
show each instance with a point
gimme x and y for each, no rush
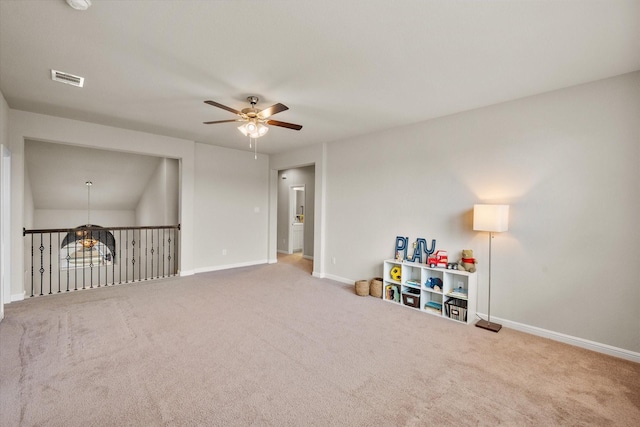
(79, 4)
(494, 218)
(262, 129)
(254, 130)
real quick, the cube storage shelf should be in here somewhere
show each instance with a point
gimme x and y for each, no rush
(458, 290)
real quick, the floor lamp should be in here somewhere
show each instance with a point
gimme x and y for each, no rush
(494, 219)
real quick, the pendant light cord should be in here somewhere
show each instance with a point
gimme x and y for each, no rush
(88, 184)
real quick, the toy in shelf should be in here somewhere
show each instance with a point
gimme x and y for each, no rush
(396, 273)
(439, 259)
(434, 283)
(433, 307)
(391, 293)
(459, 293)
(468, 262)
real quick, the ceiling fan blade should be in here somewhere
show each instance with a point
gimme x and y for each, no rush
(224, 107)
(220, 121)
(274, 109)
(284, 124)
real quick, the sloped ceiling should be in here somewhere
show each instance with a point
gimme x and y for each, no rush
(58, 174)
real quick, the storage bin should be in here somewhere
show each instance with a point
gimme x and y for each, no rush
(411, 300)
(456, 309)
(362, 288)
(375, 287)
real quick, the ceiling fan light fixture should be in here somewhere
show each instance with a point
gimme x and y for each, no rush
(254, 121)
(253, 129)
(262, 129)
(79, 4)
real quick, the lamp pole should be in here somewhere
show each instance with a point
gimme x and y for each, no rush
(491, 218)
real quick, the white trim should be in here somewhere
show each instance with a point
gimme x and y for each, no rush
(280, 251)
(229, 266)
(184, 273)
(533, 330)
(18, 297)
(5, 227)
(568, 339)
(338, 279)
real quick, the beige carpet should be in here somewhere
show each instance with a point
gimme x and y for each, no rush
(271, 345)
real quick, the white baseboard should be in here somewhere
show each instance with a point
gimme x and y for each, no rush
(186, 273)
(273, 261)
(280, 251)
(229, 266)
(534, 330)
(568, 339)
(18, 297)
(307, 257)
(338, 279)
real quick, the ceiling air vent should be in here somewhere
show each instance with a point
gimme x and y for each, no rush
(70, 79)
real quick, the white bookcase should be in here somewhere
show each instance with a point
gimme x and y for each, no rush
(455, 300)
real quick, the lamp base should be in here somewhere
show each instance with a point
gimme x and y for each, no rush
(494, 327)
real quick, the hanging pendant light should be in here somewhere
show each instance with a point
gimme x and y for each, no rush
(85, 237)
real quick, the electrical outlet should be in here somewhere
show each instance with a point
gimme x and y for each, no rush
(333, 260)
(224, 252)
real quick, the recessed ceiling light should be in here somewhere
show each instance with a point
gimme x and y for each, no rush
(79, 4)
(70, 79)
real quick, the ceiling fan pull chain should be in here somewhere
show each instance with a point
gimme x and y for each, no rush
(255, 144)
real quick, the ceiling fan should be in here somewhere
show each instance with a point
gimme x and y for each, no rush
(254, 121)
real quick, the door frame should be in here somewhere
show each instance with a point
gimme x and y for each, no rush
(292, 213)
(5, 228)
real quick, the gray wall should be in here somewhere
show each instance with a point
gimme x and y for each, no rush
(70, 218)
(159, 202)
(567, 164)
(231, 208)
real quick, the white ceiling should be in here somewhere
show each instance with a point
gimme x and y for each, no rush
(344, 68)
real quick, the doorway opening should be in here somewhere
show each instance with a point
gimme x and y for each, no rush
(296, 217)
(295, 213)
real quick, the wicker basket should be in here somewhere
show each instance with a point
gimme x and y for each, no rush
(362, 288)
(375, 287)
